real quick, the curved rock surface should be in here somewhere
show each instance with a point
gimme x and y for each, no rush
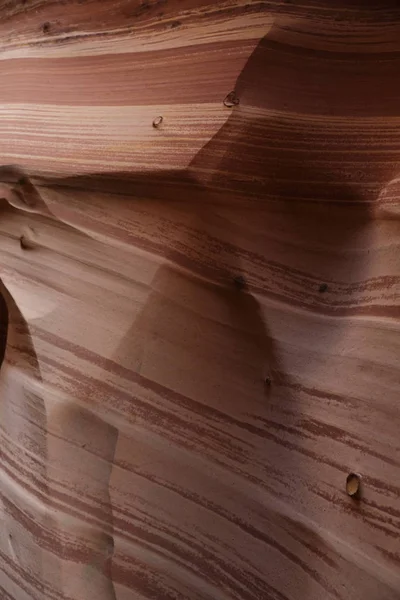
(200, 319)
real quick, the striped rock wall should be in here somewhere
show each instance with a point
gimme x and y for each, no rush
(200, 319)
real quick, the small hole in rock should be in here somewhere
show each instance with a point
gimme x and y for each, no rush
(23, 242)
(157, 122)
(239, 282)
(27, 239)
(323, 288)
(231, 100)
(353, 485)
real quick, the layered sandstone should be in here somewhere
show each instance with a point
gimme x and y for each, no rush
(200, 318)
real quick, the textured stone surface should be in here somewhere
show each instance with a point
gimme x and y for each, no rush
(203, 317)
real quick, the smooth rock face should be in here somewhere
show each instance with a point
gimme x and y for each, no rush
(200, 319)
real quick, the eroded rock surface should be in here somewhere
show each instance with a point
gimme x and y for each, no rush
(200, 319)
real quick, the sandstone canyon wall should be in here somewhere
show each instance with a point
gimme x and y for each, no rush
(200, 313)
